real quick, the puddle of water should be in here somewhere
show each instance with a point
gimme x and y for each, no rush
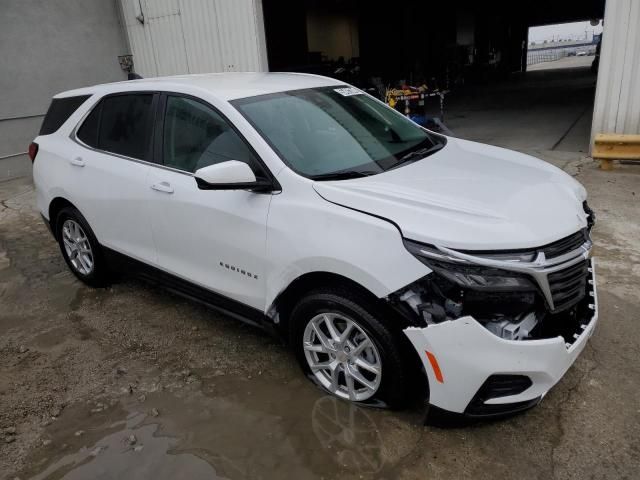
(231, 428)
(115, 456)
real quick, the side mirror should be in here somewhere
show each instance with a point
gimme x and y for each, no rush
(229, 175)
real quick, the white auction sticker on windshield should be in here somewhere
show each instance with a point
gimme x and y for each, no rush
(348, 91)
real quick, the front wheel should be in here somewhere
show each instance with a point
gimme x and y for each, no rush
(349, 352)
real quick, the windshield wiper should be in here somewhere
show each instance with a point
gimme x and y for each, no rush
(418, 154)
(342, 175)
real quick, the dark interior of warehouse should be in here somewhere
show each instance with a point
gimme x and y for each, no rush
(436, 43)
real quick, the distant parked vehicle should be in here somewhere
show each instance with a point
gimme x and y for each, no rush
(581, 54)
(390, 257)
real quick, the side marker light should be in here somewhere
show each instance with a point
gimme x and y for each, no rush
(434, 365)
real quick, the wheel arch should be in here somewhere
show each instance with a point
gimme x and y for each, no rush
(280, 309)
(55, 206)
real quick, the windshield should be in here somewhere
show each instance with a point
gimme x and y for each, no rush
(331, 133)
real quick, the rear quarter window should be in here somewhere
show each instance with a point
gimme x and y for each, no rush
(88, 131)
(59, 112)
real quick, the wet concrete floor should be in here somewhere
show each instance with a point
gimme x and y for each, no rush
(133, 382)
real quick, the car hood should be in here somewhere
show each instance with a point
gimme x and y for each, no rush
(470, 196)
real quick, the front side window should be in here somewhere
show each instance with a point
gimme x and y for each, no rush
(120, 124)
(196, 136)
(332, 133)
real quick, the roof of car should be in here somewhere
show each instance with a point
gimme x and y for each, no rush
(226, 86)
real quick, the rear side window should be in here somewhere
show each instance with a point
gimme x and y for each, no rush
(59, 111)
(120, 124)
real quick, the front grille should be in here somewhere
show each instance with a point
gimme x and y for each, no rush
(551, 250)
(565, 245)
(568, 286)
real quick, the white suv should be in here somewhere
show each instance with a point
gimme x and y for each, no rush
(383, 252)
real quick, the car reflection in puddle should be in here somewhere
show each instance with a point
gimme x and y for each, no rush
(238, 429)
(350, 433)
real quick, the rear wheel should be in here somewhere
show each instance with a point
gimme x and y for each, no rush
(80, 248)
(347, 350)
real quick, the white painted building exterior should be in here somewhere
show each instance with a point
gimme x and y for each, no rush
(169, 37)
(617, 102)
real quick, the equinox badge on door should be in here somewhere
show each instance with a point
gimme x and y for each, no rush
(239, 270)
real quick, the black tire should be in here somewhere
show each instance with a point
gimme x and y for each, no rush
(394, 389)
(99, 275)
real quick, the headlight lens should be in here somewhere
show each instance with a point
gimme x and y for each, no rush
(469, 275)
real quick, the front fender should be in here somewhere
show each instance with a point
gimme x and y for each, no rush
(306, 234)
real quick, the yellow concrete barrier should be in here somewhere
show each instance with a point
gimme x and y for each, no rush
(608, 147)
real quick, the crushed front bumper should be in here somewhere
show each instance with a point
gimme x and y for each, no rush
(459, 356)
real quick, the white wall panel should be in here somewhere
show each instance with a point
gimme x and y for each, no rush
(202, 37)
(161, 8)
(195, 36)
(617, 103)
(139, 38)
(263, 64)
(168, 44)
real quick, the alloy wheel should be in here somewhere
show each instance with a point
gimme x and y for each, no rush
(77, 246)
(342, 357)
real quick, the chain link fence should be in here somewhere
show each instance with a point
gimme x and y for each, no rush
(534, 56)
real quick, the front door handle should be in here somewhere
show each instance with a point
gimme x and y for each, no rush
(77, 162)
(164, 187)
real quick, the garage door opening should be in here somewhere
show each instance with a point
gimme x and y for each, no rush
(478, 53)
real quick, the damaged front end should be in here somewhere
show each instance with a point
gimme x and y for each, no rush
(499, 328)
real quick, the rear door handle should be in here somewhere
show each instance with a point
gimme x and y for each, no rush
(164, 187)
(77, 161)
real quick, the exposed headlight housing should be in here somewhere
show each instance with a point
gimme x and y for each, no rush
(472, 276)
(591, 216)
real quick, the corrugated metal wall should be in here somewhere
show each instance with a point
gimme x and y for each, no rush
(617, 103)
(195, 36)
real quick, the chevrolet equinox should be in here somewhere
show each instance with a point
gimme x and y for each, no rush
(388, 256)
